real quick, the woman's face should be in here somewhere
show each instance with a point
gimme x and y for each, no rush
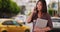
(39, 6)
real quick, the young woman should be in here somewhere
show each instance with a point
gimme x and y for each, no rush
(40, 11)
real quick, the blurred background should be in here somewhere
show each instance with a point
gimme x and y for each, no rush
(12, 8)
(21, 9)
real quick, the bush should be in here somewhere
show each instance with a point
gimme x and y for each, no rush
(8, 7)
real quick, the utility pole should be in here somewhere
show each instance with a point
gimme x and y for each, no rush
(58, 7)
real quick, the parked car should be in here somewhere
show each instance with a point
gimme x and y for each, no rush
(9, 25)
(56, 24)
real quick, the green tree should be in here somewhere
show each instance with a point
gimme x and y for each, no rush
(8, 8)
(50, 12)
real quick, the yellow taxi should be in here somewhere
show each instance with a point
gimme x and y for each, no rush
(9, 25)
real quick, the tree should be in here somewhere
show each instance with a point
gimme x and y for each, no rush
(50, 12)
(8, 8)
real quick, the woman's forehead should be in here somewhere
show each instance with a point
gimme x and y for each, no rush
(39, 2)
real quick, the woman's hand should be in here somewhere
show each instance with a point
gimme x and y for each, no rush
(33, 10)
(37, 29)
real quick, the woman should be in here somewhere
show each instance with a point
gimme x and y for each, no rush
(40, 11)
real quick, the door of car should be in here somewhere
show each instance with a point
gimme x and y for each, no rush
(19, 27)
(10, 26)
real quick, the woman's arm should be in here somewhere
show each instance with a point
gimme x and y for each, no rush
(46, 29)
(29, 18)
(49, 24)
(37, 29)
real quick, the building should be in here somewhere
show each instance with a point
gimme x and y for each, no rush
(30, 4)
(53, 5)
(59, 7)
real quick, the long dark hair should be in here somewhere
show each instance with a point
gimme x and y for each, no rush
(44, 6)
(43, 11)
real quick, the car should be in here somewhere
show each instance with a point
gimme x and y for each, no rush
(10, 25)
(56, 22)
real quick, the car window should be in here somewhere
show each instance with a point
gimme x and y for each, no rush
(56, 20)
(15, 23)
(8, 23)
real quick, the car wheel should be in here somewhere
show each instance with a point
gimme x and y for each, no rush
(27, 30)
(4, 31)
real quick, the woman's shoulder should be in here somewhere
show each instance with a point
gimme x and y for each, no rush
(47, 15)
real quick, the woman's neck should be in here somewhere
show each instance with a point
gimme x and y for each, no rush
(39, 12)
